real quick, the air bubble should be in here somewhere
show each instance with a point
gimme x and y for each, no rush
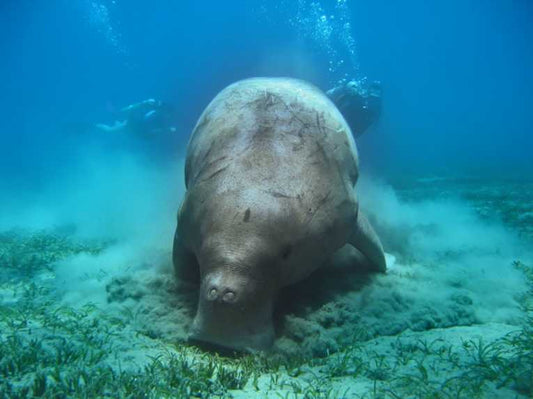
(331, 33)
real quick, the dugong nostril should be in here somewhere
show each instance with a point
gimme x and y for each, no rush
(212, 294)
(229, 297)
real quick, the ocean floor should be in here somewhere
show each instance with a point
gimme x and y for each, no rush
(452, 317)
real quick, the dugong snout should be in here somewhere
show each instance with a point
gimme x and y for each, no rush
(232, 314)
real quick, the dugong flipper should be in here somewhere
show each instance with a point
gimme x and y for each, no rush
(270, 173)
(366, 241)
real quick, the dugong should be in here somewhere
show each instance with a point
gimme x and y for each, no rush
(270, 173)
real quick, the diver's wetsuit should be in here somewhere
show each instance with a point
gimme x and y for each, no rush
(148, 117)
(358, 103)
(143, 119)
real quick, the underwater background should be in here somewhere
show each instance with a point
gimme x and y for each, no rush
(89, 306)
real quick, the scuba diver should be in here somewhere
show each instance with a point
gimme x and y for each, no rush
(144, 119)
(358, 102)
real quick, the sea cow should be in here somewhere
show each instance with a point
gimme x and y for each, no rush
(270, 173)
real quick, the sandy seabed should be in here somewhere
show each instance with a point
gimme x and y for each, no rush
(83, 315)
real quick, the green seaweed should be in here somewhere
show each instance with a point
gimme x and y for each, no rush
(24, 254)
(53, 351)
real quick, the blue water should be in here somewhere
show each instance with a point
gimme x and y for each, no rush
(458, 88)
(88, 217)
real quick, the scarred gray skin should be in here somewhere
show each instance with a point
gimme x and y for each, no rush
(270, 173)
